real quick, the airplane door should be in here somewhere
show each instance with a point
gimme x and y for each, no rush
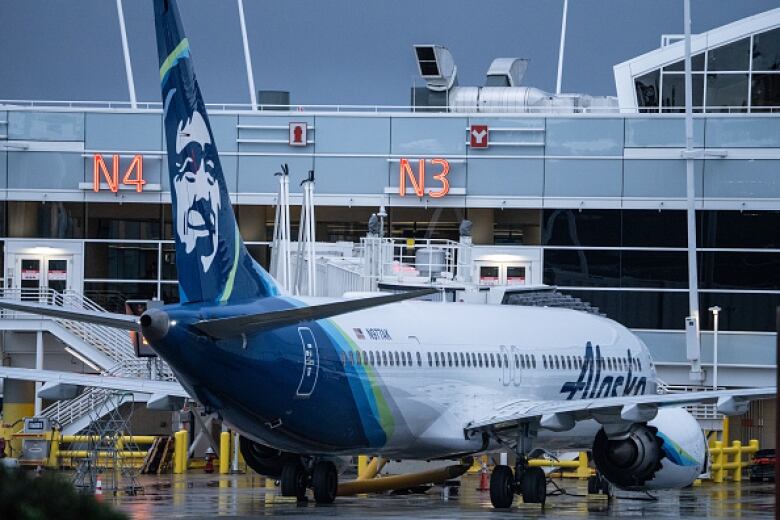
(311, 363)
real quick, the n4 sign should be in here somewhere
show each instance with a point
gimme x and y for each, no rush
(440, 169)
(133, 175)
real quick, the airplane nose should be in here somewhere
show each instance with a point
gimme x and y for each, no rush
(155, 324)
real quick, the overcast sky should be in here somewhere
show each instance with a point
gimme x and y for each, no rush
(333, 51)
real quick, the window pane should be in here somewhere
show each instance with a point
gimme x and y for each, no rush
(647, 90)
(169, 293)
(727, 92)
(765, 91)
(112, 295)
(651, 228)
(746, 229)
(733, 56)
(660, 269)
(741, 311)
(644, 310)
(120, 261)
(571, 227)
(697, 64)
(582, 268)
(766, 50)
(49, 220)
(674, 92)
(718, 270)
(124, 221)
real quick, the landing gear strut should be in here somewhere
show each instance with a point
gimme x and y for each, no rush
(529, 482)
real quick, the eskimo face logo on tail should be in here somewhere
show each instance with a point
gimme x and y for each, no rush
(591, 384)
(196, 189)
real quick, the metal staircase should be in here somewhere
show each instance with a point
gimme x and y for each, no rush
(75, 414)
(707, 414)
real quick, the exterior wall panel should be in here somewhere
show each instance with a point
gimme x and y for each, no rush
(743, 132)
(658, 178)
(45, 170)
(428, 136)
(350, 175)
(46, 126)
(661, 132)
(583, 178)
(256, 174)
(742, 179)
(513, 177)
(583, 136)
(353, 135)
(123, 132)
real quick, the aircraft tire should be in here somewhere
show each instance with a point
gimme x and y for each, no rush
(534, 486)
(502, 487)
(325, 481)
(293, 480)
(593, 485)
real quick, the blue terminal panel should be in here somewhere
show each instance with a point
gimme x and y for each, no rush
(659, 178)
(585, 136)
(743, 132)
(45, 170)
(118, 132)
(666, 132)
(583, 177)
(46, 126)
(740, 179)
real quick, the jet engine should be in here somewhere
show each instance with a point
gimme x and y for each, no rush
(668, 452)
(264, 460)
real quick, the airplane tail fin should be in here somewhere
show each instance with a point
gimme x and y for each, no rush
(212, 263)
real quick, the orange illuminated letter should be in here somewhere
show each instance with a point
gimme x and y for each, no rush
(138, 166)
(99, 166)
(417, 183)
(442, 178)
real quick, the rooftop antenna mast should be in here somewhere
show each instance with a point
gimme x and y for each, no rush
(126, 53)
(562, 45)
(250, 78)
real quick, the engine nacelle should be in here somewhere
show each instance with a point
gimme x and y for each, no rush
(668, 452)
(264, 460)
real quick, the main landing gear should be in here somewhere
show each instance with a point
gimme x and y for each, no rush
(529, 482)
(322, 478)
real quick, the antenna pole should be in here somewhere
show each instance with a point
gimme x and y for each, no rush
(563, 44)
(250, 78)
(126, 53)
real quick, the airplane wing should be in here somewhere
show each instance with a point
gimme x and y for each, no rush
(126, 384)
(560, 415)
(120, 321)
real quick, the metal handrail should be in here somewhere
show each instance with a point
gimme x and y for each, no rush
(356, 108)
(113, 343)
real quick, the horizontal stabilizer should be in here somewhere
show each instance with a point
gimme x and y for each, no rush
(109, 319)
(235, 326)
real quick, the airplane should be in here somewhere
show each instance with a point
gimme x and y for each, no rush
(305, 380)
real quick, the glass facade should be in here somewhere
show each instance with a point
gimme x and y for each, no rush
(739, 76)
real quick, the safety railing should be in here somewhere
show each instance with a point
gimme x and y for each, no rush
(113, 343)
(412, 260)
(722, 466)
(700, 411)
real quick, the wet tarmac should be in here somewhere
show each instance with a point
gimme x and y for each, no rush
(242, 496)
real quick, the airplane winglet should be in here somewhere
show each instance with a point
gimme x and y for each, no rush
(221, 328)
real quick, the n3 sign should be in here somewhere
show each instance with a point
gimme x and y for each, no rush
(418, 181)
(133, 176)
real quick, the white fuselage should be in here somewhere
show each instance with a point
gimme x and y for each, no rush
(440, 366)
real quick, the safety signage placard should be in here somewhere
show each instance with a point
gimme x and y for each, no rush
(298, 134)
(478, 136)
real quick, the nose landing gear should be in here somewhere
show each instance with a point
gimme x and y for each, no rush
(529, 482)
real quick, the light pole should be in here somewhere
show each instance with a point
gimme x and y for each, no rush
(715, 310)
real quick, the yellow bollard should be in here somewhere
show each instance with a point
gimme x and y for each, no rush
(180, 452)
(224, 453)
(724, 434)
(717, 462)
(54, 450)
(361, 466)
(583, 470)
(736, 472)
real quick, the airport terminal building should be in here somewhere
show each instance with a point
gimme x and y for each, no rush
(589, 193)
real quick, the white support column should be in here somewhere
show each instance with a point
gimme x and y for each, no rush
(693, 340)
(126, 54)
(38, 366)
(562, 46)
(250, 77)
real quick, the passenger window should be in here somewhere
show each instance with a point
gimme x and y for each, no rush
(533, 360)
(455, 358)
(371, 357)
(557, 363)
(462, 360)
(436, 358)
(492, 361)
(544, 361)
(403, 358)
(473, 360)
(430, 360)
(498, 360)
(639, 364)
(479, 359)
(419, 359)
(409, 358)
(384, 358)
